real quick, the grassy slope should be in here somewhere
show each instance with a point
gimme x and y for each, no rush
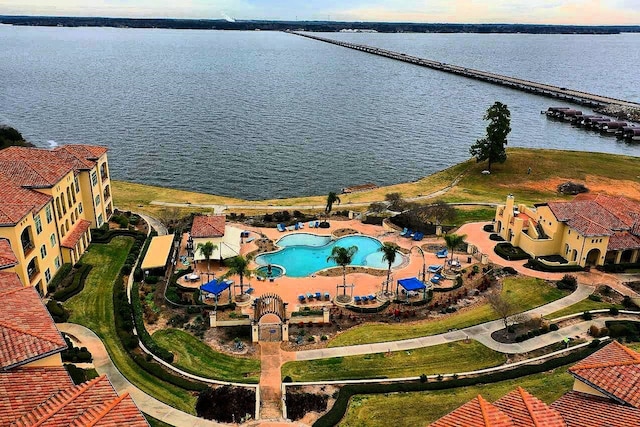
(194, 356)
(443, 358)
(422, 408)
(523, 292)
(509, 177)
(93, 308)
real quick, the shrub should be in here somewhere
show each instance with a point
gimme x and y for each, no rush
(509, 252)
(57, 311)
(423, 378)
(594, 344)
(587, 316)
(311, 338)
(553, 327)
(287, 379)
(627, 302)
(226, 404)
(488, 228)
(143, 335)
(509, 270)
(62, 273)
(324, 338)
(596, 298)
(568, 282)
(614, 311)
(534, 264)
(138, 274)
(76, 285)
(594, 331)
(496, 237)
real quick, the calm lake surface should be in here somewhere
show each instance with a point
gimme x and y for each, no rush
(266, 114)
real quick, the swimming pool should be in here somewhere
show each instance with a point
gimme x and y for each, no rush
(303, 253)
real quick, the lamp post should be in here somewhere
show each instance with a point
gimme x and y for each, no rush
(424, 264)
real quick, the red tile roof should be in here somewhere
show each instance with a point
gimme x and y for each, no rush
(74, 236)
(614, 370)
(622, 240)
(27, 331)
(16, 202)
(7, 257)
(88, 404)
(581, 410)
(83, 157)
(33, 167)
(208, 226)
(23, 389)
(475, 413)
(528, 411)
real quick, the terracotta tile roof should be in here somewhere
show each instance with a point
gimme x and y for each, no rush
(628, 211)
(17, 202)
(93, 403)
(27, 331)
(621, 240)
(74, 236)
(613, 370)
(208, 226)
(528, 411)
(475, 413)
(581, 410)
(33, 167)
(7, 257)
(83, 157)
(587, 217)
(23, 389)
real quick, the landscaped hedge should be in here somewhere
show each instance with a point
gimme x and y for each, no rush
(76, 285)
(623, 328)
(158, 371)
(619, 268)
(57, 311)
(509, 252)
(534, 264)
(99, 236)
(457, 285)
(304, 313)
(143, 335)
(362, 309)
(62, 273)
(339, 408)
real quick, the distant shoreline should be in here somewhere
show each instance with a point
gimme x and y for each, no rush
(317, 26)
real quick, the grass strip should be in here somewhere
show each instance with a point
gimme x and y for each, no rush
(444, 358)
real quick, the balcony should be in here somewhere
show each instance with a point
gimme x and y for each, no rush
(32, 270)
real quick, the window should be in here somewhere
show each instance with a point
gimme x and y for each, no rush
(43, 251)
(77, 184)
(47, 211)
(94, 178)
(47, 275)
(57, 262)
(80, 207)
(53, 240)
(97, 200)
(38, 224)
(100, 221)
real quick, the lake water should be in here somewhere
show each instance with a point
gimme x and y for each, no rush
(268, 114)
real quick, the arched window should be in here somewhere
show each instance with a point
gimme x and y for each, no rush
(32, 268)
(58, 208)
(64, 203)
(26, 240)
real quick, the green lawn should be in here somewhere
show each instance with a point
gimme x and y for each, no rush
(523, 292)
(93, 308)
(422, 408)
(439, 359)
(154, 422)
(581, 307)
(194, 356)
(464, 215)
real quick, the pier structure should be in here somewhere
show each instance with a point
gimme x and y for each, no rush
(568, 95)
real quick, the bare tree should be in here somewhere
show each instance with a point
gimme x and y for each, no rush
(501, 306)
(438, 212)
(396, 202)
(169, 216)
(377, 207)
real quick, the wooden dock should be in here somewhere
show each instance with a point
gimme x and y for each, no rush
(568, 95)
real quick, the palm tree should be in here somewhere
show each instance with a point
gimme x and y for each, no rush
(207, 250)
(331, 199)
(453, 241)
(389, 251)
(343, 256)
(239, 266)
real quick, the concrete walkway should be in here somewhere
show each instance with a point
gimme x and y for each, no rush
(147, 404)
(480, 333)
(153, 222)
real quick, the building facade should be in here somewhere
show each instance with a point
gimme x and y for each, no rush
(590, 230)
(49, 199)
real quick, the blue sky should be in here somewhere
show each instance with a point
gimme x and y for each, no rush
(584, 12)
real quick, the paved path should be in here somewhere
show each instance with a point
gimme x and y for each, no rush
(156, 224)
(271, 358)
(147, 404)
(480, 333)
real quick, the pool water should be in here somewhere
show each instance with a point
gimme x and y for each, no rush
(303, 254)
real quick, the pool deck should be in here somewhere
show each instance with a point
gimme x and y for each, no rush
(289, 288)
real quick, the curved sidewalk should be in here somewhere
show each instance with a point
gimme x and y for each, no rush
(480, 333)
(145, 403)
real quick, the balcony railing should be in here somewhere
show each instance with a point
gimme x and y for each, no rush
(27, 247)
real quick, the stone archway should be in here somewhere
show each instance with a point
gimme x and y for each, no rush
(270, 322)
(593, 256)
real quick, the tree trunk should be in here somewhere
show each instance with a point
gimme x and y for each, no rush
(344, 280)
(386, 291)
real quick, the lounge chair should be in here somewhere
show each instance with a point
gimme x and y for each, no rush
(327, 297)
(296, 226)
(311, 224)
(250, 239)
(357, 299)
(249, 291)
(435, 279)
(302, 298)
(309, 296)
(418, 236)
(442, 253)
(318, 296)
(409, 234)
(317, 224)
(404, 231)
(372, 297)
(281, 228)
(300, 225)
(434, 268)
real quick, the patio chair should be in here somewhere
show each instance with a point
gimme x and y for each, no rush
(318, 296)
(317, 224)
(301, 298)
(300, 225)
(434, 268)
(404, 231)
(327, 297)
(435, 279)
(249, 291)
(372, 297)
(311, 224)
(418, 236)
(357, 299)
(281, 228)
(309, 296)
(442, 253)
(296, 226)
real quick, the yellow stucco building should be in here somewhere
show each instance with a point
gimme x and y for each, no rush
(590, 230)
(49, 199)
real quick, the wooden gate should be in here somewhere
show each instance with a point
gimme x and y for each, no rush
(270, 305)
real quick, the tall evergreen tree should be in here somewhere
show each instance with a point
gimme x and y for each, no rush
(492, 146)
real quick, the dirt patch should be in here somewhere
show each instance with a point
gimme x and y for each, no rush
(344, 232)
(330, 392)
(337, 271)
(595, 184)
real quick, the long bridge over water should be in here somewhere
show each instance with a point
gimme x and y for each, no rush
(569, 95)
